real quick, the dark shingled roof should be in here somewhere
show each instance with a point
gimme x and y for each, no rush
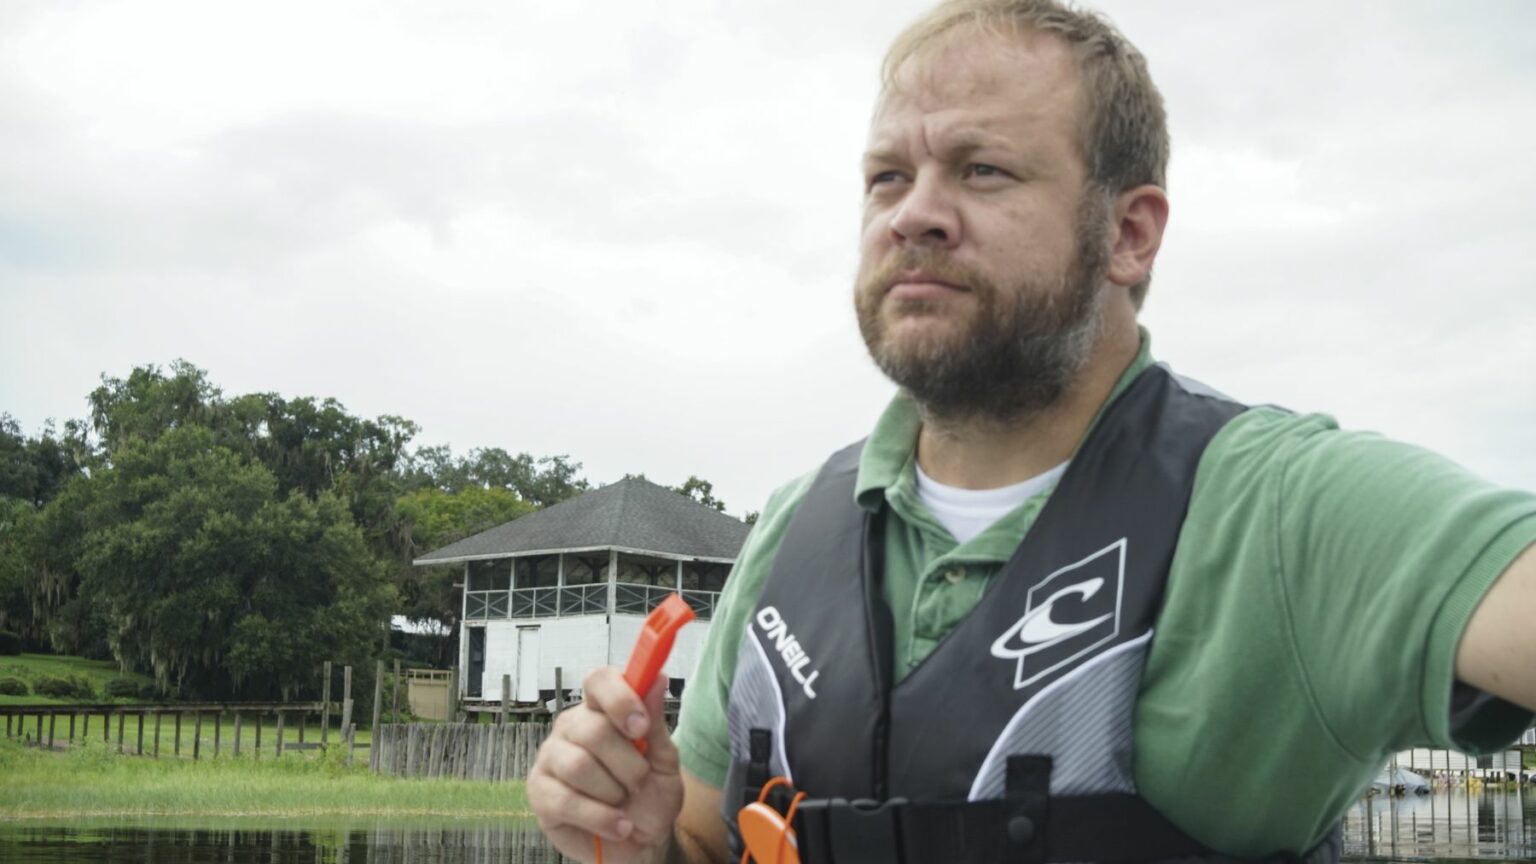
(631, 514)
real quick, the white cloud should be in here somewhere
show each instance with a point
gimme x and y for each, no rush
(626, 231)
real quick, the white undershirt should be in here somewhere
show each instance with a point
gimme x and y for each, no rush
(968, 512)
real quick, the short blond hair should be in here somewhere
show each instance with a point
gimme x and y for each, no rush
(1122, 127)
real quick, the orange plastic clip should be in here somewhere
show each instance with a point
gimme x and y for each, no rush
(766, 834)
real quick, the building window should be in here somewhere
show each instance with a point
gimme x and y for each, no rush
(494, 575)
(586, 569)
(704, 576)
(642, 570)
(538, 571)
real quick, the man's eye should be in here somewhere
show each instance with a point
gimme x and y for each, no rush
(883, 177)
(980, 170)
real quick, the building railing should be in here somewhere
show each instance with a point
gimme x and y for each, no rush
(580, 600)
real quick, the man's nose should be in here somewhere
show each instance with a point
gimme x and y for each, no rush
(926, 215)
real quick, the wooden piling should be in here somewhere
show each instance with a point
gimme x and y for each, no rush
(506, 699)
(346, 697)
(218, 729)
(140, 750)
(71, 727)
(394, 712)
(121, 719)
(325, 711)
(176, 748)
(453, 695)
(236, 750)
(351, 739)
(559, 691)
(158, 715)
(7, 726)
(106, 728)
(280, 734)
(378, 693)
(51, 719)
(256, 751)
(197, 735)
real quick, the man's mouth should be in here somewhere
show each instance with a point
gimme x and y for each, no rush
(922, 285)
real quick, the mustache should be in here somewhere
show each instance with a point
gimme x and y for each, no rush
(939, 265)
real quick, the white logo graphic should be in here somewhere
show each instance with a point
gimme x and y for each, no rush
(1040, 630)
(789, 648)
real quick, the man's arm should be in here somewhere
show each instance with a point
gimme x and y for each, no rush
(699, 837)
(1497, 653)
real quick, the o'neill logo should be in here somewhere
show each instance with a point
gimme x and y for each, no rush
(784, 642)
(1069, 614)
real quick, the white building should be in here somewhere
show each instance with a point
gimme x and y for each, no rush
(569, 586)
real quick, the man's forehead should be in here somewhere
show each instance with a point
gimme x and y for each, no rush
(970, 61)
(978, 85)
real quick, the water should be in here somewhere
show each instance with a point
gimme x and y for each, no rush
(1445, 825)
(1448, 825)
(297, 842)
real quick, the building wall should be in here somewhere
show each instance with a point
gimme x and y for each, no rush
(685, 651)
(577, 646)
(1424, 760)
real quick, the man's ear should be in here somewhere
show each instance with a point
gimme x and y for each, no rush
(1140, 215)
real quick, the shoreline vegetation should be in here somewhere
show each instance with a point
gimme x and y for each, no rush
(92, 781)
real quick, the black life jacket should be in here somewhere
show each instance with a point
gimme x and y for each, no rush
(1012, 740)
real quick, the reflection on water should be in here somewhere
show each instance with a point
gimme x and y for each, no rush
(380, 843)
(1447, 824)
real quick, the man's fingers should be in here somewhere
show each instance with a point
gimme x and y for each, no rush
(606, 691)
(564, 808)
(660, 750)
(609, 748)
(576, 767)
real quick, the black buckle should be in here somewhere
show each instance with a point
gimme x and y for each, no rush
(853, 832)
(1028, 781)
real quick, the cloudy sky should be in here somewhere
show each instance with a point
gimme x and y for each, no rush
(626, 230)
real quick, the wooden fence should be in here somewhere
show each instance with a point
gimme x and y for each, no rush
(466, 751)
(55, 725)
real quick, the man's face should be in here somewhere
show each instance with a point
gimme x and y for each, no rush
(983, 254)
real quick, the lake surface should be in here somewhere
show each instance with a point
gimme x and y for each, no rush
(1448, 825)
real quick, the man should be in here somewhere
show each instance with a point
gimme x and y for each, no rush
(1061, 604)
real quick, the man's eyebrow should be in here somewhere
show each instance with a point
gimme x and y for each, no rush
(956, 144)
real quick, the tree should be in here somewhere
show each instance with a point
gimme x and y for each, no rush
(701, 491)
(431, 519)
(210, 580)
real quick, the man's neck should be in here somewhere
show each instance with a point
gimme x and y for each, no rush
(986, 454)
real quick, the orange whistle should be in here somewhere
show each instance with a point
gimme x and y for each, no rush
(653, 646)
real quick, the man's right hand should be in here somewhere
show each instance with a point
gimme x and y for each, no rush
(589, 779)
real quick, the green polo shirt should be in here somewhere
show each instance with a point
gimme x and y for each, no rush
(1309, 627)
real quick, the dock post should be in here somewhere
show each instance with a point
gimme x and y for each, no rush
(280, 734)
(559, 693)
(71, 727)
(237, 734)
(121, 719)
(256, 750)
(506, 699)
(395, 696)
(7, 726)
(176, 748)
(378, 694)
(351, 740)
(158, 715)
(218, 729)
(140, 751)
(325, 705)
(346, 694)
(453, 695)
(197, 735)
(51, 722)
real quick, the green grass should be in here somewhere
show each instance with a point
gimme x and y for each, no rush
(92, 781)
(29, 667)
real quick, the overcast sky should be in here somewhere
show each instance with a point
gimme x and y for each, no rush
(625, 231)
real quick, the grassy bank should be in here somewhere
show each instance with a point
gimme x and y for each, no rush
(31, 667)
(92, 781)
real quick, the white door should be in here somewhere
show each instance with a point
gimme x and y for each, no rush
(527, 664)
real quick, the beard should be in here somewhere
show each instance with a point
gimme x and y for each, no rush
(1022, 346)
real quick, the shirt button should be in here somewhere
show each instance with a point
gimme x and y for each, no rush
(955, 575)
